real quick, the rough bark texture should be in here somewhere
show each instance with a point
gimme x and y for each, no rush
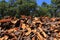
(27, 28)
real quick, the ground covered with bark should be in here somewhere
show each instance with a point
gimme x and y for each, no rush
(30, 28)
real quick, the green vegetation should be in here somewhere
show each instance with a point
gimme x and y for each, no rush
(29, 7)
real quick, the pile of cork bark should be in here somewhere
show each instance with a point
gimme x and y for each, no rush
(30, 28)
